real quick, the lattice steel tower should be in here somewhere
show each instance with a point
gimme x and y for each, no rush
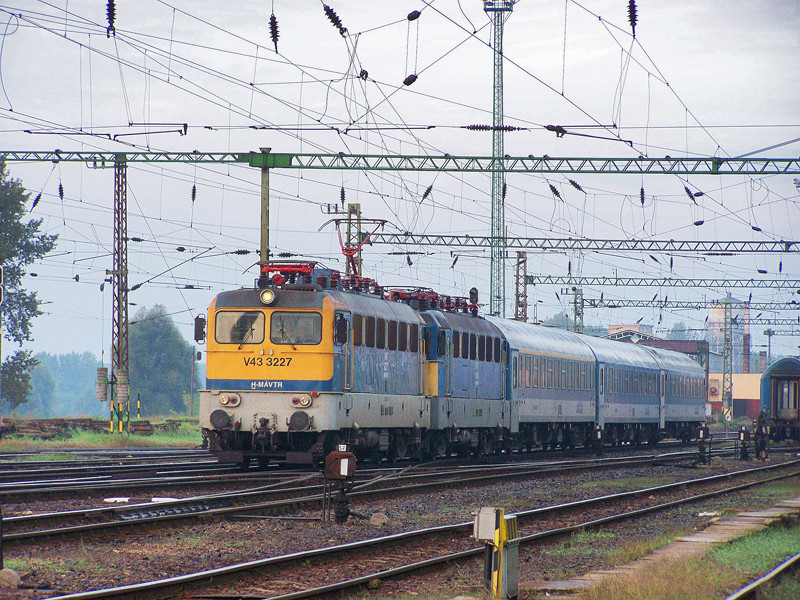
(498, 11)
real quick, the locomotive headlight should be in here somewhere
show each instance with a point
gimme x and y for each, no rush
(304, 400)
(268, 296)
(224, 399)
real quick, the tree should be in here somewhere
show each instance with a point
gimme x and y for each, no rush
(560, 320)
(20, 245)
(160, 363)
(75, 378)
(679, 331)
(43, 387)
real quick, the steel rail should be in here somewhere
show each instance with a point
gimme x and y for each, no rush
(203, 506)
(752, 589)
(160, 588)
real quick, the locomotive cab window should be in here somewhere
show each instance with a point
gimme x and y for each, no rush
(239, 327)
(295, 328)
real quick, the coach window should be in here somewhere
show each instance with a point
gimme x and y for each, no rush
(295, 328)
(482, 347)
(370, 332)
(238, 327)
(392, 335)
(564, 370)
(380, 333)
(402, 336)
(528, 371)
(473, 346)
(456, 344)
(535, 371)
(358, 330)
(413, 338)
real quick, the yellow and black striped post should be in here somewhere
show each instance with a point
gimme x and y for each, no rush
(500, 573)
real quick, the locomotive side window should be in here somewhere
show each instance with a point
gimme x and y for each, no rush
(358, 330)
(392, 335)
(239, 327)
(413, 338)
(402, 337)
(295, 328)
(370, 332)
(489, 345)
(482, 347)
(473, 347)
(441, 343)
(380, 336)
(456, 344)
(497, 350)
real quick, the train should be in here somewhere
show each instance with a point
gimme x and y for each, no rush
(309, 358)
(780, 394)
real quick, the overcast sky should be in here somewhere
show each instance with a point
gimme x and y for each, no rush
(700, 78)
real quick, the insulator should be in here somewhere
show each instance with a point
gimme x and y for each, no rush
(569, 268)
(364, 74)
(61, 191)
(410, 79)
(77, 278)
(241, 252)
(478, 127)
(555, 191)
(505, 187)
(285, 255)
(180, 249)
(762, 271)
(273, 31)
(427, 192)
(654, 258)
(575, 184)
(408, 260)
(111, 13)
(194, 192)
(341, 196)
(780, 267)
(698, 194)
(755, 228)
(36, 200)
(455, 260)
(698, 223)
(670, 262)
(334, 19)
(641, 196)
(690, 194)
(632, 16)
(414, 15)
(557, 129)
(136, 239)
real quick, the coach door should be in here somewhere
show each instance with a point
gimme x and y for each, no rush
(343, 342)
(662, 400)
(599, 416)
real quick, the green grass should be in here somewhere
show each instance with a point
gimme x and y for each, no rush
(187, 436)
(715, 575)
(582, 542)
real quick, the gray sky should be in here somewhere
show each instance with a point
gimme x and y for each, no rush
(701, 78)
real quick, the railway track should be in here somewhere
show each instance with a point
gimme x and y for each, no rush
(346, 566)
(304, 491)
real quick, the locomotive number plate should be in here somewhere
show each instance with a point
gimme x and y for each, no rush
(266, 361)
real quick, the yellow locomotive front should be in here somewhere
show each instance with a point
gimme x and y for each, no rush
(271, 377)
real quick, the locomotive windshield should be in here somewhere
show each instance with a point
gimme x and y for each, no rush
(239, 327)
(295, 328)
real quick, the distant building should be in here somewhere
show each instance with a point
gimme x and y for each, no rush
(746, 393)
(740, 335)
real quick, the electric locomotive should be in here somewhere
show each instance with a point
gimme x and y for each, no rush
(309, 359)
